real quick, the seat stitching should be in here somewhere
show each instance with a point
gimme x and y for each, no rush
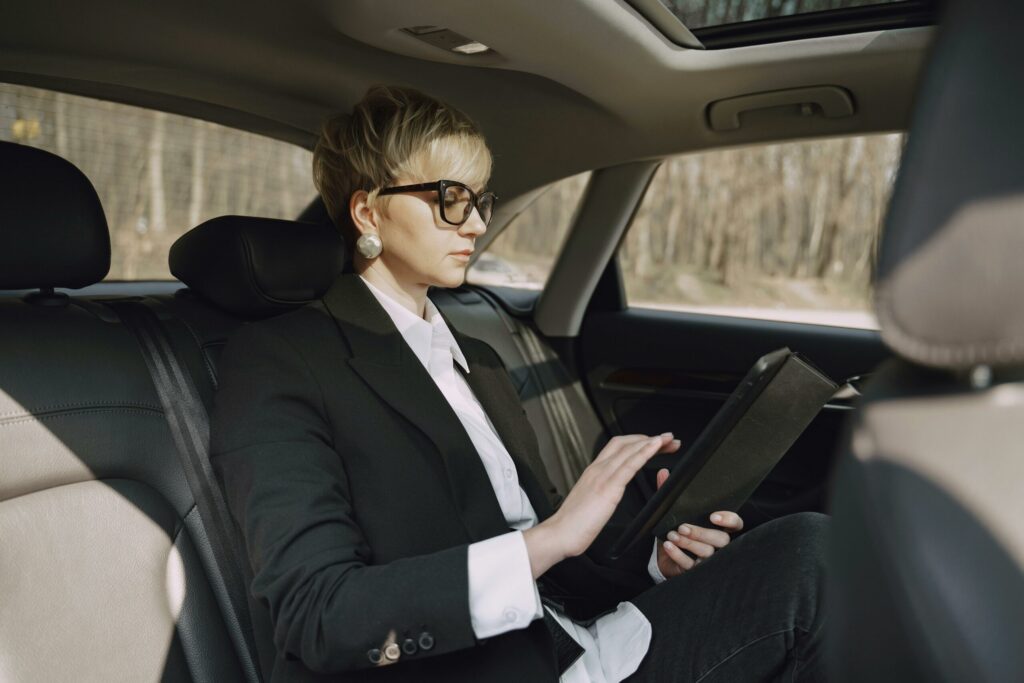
(68, 413)
(81, 404)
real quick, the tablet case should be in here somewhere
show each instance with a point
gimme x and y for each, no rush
(773, 404)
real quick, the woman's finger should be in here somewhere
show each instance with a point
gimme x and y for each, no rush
(681, 559)
(714, 537)
(661, 477)
(618, 444)
(672, 446)
(728, 520)
(698, 548)
(627, 465)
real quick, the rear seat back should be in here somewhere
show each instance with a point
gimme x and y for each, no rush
(103, 569)
(107, 571)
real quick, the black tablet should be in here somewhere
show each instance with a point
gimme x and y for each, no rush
(770, 408)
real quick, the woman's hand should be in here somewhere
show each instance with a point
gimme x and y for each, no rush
(699, 541)
(591, 502)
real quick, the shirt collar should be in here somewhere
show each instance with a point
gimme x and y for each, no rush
(421, 335)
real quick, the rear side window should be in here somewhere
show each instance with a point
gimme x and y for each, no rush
(158, 175)
(524, 253)
(782, 232)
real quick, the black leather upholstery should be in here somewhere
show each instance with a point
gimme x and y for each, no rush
(926, 560)
(257, 267)
(105, 553)
(53, 232)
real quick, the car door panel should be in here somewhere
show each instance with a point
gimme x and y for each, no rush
(650, 371)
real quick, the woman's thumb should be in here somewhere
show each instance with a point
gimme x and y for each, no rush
(662, 476)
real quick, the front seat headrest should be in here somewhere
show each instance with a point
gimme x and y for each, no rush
(53, 232)
(257, 267)
(949, 274)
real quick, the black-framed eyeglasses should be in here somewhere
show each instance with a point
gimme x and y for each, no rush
(455, 200)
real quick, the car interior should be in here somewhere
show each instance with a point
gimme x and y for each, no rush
(117, 561)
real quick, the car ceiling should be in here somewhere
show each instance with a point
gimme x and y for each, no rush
(572, 85)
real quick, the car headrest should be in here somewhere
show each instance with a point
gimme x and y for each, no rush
(52, 229)
(257, 267)
(949, 274)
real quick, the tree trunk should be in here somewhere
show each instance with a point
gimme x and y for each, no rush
(197, 186)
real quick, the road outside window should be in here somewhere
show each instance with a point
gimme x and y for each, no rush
(158, 175)
(784, 232)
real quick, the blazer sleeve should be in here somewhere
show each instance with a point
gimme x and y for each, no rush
(286, 486)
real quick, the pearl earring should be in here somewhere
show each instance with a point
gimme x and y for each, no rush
(369, 245)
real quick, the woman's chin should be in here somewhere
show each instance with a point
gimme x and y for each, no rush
(451, 278)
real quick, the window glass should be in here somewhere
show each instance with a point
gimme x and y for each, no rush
(697, 14)
(158, 175)
(523, 254)
(786, 231)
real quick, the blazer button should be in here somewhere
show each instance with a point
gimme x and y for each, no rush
(374, 656)
(426, 641)
(392, 652)
(409, 646)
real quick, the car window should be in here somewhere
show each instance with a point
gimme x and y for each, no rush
(523, 254)
(158, 174)
(784, 231)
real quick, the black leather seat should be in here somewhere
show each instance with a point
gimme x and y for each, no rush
(105, 555)
(104, 568)
(926, 563)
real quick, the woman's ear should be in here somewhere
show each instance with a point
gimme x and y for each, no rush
(363, 216)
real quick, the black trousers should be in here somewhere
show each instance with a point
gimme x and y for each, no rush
(751, 612)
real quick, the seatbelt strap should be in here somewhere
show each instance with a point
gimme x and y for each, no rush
(577, 457)
(190, 428)
(573, 457)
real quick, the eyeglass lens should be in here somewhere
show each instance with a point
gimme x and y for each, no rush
(458, 205)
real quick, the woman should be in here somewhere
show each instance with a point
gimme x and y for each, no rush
(395, 508)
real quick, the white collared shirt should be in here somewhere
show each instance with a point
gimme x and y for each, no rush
(502, 593)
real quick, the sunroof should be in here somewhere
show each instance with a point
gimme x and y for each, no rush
(697, 14)
(714, 24)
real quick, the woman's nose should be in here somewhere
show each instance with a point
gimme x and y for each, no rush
(474, 224)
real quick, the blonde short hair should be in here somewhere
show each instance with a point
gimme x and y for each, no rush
(394, 132)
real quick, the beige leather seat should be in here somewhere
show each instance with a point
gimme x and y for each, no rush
(927, 553)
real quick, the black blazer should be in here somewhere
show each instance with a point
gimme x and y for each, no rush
(358, 492)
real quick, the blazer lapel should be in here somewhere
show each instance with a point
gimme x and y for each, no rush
(383, 359)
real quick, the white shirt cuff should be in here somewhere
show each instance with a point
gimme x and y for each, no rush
(502, 593)
(652, 565)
